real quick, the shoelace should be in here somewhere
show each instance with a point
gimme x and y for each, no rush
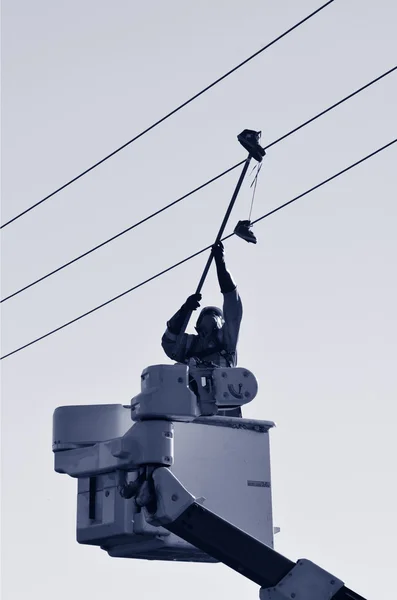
(258, 167)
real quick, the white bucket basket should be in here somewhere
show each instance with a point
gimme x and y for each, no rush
(223, 459)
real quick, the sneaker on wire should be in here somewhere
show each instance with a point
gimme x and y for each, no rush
(249, 139)
(244, 230)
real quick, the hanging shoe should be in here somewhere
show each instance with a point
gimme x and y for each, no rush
(244, 231)
(249, 139)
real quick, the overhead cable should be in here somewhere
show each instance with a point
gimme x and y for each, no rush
(135, 287)
(200, 187)
(320, 114)
(167, 116)
(114, 237)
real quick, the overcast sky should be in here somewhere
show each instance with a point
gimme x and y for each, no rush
(80, 78)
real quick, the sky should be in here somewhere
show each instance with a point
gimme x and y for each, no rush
(79, 79)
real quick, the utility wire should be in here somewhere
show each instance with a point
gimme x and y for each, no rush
(312, 189)
(70, 262)
(114, 237)
(178, 108)
(333, 106)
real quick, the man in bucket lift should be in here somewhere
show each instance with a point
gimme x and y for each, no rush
(217, 330)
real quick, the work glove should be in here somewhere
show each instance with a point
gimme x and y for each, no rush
(176, 322)
(218, 251)
(193, 302)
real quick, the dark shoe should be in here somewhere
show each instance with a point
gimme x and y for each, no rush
(249, 139)
(243, 230)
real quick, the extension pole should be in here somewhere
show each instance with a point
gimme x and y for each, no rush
(211, 256)
(224, 223)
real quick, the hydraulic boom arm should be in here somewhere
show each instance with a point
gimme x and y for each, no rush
(280, 578)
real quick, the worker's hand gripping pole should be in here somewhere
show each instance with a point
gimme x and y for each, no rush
(211, 256)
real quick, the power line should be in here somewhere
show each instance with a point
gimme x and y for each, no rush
(114, 237)
(312, 189)
(315, 187)
(361, 89)
(167, 116)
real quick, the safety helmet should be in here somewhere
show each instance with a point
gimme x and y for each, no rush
(210, 310)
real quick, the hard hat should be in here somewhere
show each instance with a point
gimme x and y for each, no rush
(212, 310)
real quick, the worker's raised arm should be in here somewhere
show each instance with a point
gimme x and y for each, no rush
(232, 305)
(177, 351)
(226, 282)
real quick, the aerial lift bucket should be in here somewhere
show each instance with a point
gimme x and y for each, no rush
(223, 460)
